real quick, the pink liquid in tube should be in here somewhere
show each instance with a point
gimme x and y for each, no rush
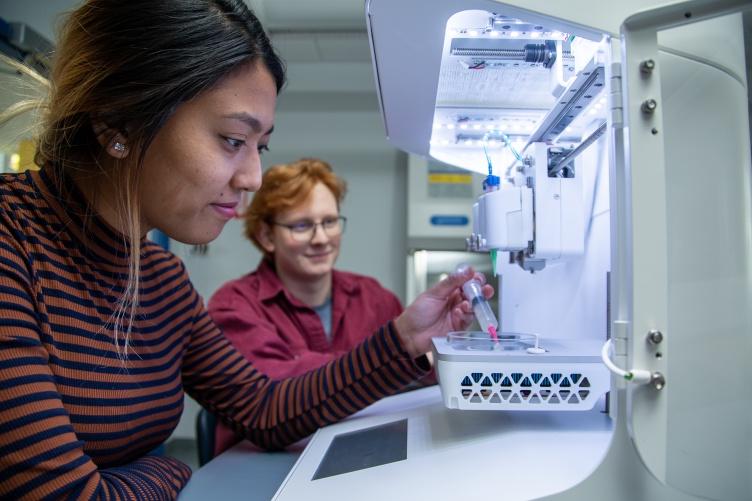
(492, 331)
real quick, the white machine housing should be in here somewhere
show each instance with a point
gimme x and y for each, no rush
(567, 376)
(513, 207)
(677, 210)
(536, 216)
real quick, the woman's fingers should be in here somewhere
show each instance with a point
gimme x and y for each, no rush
(446, 287)
(465, 307)
(461, 318)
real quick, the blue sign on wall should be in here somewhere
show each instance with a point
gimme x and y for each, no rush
(450, 220)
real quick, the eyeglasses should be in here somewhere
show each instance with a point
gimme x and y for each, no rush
(303, 231)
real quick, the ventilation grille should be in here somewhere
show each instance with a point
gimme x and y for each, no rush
(526, 388)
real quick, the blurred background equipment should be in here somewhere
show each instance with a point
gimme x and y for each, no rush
(21, 43)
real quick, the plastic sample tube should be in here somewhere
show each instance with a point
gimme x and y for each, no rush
(473, 291)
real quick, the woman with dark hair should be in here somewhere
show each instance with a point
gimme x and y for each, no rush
(158, 113)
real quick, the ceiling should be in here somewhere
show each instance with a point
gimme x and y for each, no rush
(301, 15)
(325, 46)
(323, 42)
(320, 31)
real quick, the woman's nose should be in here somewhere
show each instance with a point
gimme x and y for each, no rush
(248, 176)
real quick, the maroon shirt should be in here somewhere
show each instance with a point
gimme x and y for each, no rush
(284, 337)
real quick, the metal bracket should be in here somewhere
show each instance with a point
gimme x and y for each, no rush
(617, 99)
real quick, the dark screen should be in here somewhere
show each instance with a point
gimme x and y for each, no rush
(361, 449)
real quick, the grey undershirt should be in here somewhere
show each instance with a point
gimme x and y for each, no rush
(324, 312)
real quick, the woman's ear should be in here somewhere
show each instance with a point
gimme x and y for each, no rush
(265, 237)
(112, 141)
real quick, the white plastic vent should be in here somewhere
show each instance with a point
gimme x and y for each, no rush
(577, 388)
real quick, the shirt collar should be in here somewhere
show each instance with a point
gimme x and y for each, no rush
(269, 283)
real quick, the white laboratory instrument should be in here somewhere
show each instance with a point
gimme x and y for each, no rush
(619, 134)
(535, 216)
(514, 373)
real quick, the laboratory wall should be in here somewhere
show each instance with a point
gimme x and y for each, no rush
(41, 15)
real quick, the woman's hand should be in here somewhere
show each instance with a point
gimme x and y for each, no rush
(439, 310)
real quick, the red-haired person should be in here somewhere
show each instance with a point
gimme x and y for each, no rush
(296, 312)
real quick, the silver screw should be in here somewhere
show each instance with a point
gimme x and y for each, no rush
(649, 106)
(657, 380)
(647, 66)
(655, 336)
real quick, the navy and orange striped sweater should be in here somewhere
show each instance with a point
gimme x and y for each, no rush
(76, 420)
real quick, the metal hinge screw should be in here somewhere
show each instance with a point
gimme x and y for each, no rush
(649, 106)
(647, 66)
(655, 337)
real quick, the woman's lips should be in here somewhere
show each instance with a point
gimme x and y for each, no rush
(227, 210)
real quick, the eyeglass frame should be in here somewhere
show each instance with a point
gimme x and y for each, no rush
(342, 223)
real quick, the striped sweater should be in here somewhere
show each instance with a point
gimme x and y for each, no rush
(76, 420)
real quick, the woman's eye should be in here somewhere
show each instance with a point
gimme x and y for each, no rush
(262, 148)
(234, 143)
